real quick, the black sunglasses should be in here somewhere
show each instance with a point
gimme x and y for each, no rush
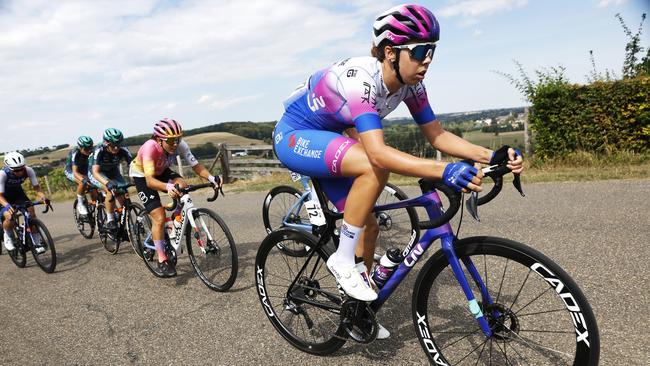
(419, 51)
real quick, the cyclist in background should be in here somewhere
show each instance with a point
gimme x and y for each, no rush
(12, 176)
(105, 170)
(354, 95)
(76, 170)
(151, 173)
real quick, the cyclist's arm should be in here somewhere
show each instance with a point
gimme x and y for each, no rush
(386, 157)
(77, 175)
(156, 184)
(3, 180)
(451, 144)
(34, 181)
(97, 174)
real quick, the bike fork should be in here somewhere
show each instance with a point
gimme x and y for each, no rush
(474, 308)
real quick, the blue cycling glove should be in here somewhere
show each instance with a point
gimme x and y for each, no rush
(458, 175)
(110, 185)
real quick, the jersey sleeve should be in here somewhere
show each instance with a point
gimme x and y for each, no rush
(32, 176)
(3, 180)
(126, 154)
(358, 88)
(185, 152)
(95, 156)
(418, 104)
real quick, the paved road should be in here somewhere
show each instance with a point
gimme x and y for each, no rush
(103, 309)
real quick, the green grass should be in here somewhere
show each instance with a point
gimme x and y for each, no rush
(489, 140)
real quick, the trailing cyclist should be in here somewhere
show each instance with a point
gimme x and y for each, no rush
(76, 170)
(353, 95)
(12, 176)
(151, 173)
(105, 170)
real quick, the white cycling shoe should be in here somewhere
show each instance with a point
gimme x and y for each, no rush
(38, 243)
(382, 333)
(9, 242)
(81, 209)
(350, 280)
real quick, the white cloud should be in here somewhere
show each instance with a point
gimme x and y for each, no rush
(605, 3)
(472, 9)
(478, 32)
(169, 106)
(118, 56)
(224, 103)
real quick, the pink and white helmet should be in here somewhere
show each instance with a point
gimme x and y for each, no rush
(167, 128)
(404, 23)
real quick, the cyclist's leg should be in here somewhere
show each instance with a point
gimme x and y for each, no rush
(337, 190)
(151, 201)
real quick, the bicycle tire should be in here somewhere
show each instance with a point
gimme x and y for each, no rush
(135, 209)
(217, 267)
(18, 255)
(396, 227)
(47, 259)
(100, 221)
(86, 228)
(452, 336)
(151, 262)
(276, 206)
(289, 316)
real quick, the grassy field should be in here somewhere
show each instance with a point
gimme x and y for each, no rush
(515, 138)
(215, 137)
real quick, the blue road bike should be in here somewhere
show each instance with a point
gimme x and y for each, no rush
(477, 301)
(31, 233)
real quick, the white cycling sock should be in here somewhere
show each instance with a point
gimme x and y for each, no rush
(347, 244)
(109, 217)
(80, 197)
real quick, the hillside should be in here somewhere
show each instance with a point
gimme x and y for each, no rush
(215, 138)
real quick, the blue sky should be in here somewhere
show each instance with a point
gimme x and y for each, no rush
(78, 67)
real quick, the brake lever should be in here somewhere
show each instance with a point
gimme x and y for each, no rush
(517, 183)
(472, 205)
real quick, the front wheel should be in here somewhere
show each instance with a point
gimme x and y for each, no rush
(212, 250)
(298, 294)
(133, 227)
(537, 313)
(85, 225)
(41, 237)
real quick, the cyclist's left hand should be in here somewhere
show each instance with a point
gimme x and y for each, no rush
(515, 161)
(216, 181)
(41, 196)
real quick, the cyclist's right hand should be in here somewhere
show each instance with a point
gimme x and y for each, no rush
(172, 191)
(462, 177)
(85, 181)
(8, 208)
(110, 185)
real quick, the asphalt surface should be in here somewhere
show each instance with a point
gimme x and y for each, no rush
(99, 308)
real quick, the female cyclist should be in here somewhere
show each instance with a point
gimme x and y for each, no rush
(353, 96)
(151, 173)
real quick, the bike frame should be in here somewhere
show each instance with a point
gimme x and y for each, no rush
(413, 253)
(26, 226)
(307, 189)
(186, 217)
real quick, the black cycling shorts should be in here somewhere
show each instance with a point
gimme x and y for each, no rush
(149, 197)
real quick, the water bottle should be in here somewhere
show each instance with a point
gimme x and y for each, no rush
(387, 265)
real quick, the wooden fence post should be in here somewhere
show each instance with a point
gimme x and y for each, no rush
(526, 132)
(225, 163)
(47, 185)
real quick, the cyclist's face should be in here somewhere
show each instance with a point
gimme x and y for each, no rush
(112, 148)
(19, 171)
(412, 70)
(86, 150)
(170, 144)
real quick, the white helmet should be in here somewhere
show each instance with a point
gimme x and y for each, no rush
(14, 160)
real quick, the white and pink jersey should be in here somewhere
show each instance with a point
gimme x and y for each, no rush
(152, 160)
(352, 93)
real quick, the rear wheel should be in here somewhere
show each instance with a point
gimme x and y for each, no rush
(47, 259)
(307, 315)
(397, 228)
(537, 313)
(134, 227)
(212, 252)
(145, 246)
